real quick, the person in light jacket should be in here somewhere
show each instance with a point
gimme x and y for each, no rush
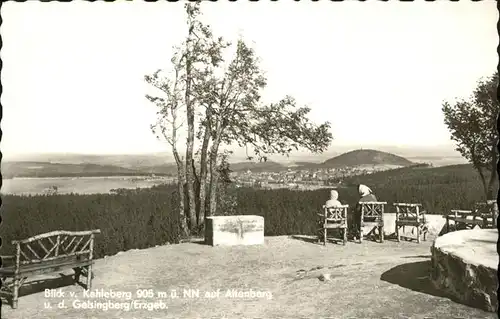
(333, 201)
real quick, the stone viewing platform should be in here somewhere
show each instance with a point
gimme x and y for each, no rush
(464, 266)
(234, 230)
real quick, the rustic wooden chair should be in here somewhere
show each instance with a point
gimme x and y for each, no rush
(410, 214)
(333, 218)
(371, 214)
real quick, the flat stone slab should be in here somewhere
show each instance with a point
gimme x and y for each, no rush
(465, 264)
(234, 230)
(474, 246)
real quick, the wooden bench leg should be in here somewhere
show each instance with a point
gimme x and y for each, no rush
(418, 235)
(370, 234)
(15, 292)
(345, 236)
(89, 277)
(381, 230)
(361, 234)
(78, 272)
(397, 234)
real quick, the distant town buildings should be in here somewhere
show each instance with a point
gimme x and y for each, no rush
(302, 179)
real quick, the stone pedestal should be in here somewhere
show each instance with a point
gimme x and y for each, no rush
(234, 230)
(464, 265)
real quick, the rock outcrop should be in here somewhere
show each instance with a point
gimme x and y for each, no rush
(464, 266)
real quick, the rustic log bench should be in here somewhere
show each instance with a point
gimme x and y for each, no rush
(467, 219)
(488, 211)
(483, 215)
(47, 253)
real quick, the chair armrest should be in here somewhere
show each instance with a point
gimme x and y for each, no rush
(461, 212)
(8, 257)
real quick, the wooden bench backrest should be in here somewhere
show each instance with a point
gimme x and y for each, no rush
(338, 213)
(372, 209)
(484, 208)
(408, 211)
(54, 245)
(461, 212)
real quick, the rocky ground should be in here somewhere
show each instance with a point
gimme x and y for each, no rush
(285, 278)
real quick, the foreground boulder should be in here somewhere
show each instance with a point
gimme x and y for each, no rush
(464, 266)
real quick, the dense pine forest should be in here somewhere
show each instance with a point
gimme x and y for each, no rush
(141, 218)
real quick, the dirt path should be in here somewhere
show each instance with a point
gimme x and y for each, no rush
(371, 280)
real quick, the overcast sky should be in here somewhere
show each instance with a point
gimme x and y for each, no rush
(73, 73)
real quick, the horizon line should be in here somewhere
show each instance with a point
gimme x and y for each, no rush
(330, 150)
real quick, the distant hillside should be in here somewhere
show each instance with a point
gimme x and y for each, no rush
(366, 157)
(131, 161)
(439, 160)
(460, 183)
(44, 169)
(417, 174)
(160, 169)
(439, 189)
(70, 165)
(307, 164)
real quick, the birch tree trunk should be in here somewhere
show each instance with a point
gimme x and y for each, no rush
(190, 136)
(203, 178)
(181, 180)
(214, 177)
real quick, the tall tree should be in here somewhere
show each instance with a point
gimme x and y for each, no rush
(168, 125)
(192, 60)
(201, 54)
(473, 126)
(222, 106)
(235, 115)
